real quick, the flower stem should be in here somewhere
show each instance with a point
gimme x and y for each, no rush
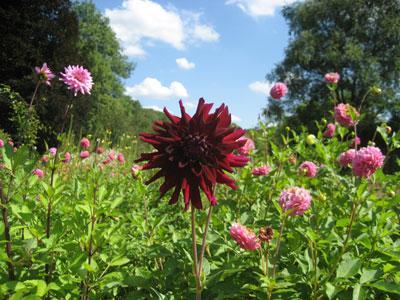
(348, 234)
(195, 258)
(278, 245)
(34, 94)
(203, 243)
(7, 235)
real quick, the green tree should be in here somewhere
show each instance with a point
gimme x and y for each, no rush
(359, 39)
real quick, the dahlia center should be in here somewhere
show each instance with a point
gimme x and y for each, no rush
(194, 147)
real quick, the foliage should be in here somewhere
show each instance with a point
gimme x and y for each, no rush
(357, 39)
(141, 246)
(24, 123)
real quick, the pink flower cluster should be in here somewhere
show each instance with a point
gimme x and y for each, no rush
(244, 236)
(78, 79)
(278, 90)
(85, 143)
(45, 74)
(332, 77)
(260, 171)
(53, 151)
(346, 158)
(343, 114)
(38, 172)
(247, 147)
(355, 142)
(367, 160)
(330, 130)
(295, 200)
(308, 168)
(1, 143)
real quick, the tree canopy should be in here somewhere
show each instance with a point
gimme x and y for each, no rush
(359, 39)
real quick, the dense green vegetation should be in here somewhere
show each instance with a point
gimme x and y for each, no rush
(63, 34)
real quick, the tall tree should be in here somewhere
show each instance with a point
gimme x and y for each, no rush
(359, 39)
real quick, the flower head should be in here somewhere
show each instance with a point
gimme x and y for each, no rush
(78, 79)
(278, 90)
(111, 155)
(84, 154)
(38, 172)
(367, 160)
(266, 234)
(53, 151)
(259, 171)
(85, 143)
(99, 150)
(308, 168)
(67, 157)
(135, 170)
(332, 77)
(45, 159)
(244, 236)
(344, 114)
(45, 74)
(346, 158)
(355, 142)
(247, 147)
(330, 130)
(295, 200)
(1, 143)
(121, 158)
(193, 152)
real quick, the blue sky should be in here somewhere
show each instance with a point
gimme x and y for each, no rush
(217, 49)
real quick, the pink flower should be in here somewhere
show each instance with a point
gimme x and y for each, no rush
(106, 161)
(247, 147)
(111, 155)
(85, 143)
(11, 143)
(45, 74)
(135, 170)
(244, 236)
(78, 79)
(259, 171)
(295, 200)
(278, 90)
(308, 168)
(332, 77)
(346, 158)
(330, 130)
(45, 159)
(39, 173)
(67, 157)
(1, 143)
(84, 154)
(367, 160)
(99, 150)
(53, 151)
(343, 114)
(355, 141)
(121, 158)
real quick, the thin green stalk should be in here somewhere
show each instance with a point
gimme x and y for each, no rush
(203, 243)
(7, 235)
(195, 258)
(278, 245)
(34, 94)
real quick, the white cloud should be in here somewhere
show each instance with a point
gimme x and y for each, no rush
(262, 87)
(259, 8)
(236, 118)
(137, 22)
(153, 107)
(152, 88)
(205, 33)
(189, 105)
(183, 63)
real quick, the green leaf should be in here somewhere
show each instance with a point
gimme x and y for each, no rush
(385, 286)
(367, 275)
(358, 292)
(348, 268)
(119, 262)
(331, 290)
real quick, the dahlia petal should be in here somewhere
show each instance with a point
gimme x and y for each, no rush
(175, 195)
(234, 135)
(225, 179)
(174, 119)
(156, 176)
(195, 196)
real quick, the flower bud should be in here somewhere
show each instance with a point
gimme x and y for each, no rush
(311, 139)
(376, 90)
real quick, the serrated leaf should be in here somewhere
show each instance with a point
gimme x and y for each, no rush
(348, 268)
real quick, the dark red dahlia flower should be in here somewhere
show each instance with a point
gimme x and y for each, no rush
(193, 153)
